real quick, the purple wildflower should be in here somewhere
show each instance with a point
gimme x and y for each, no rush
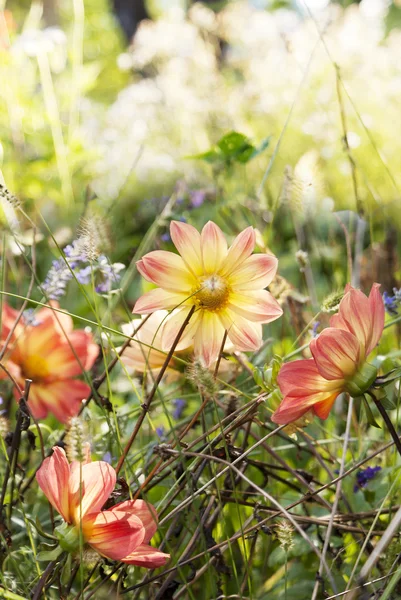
(165, 237)
(179, 405)
(160, 433)
(197, 198)
(107, 457)
(390, 304)
(363, 476)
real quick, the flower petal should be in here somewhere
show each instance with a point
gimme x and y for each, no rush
(214, 247)
(173, 325)
(53, 477)
(244, 334)
(158, 299)
(167, 270)
(146, 556)
(187, 240)
(302, 387)
(114, 534)
(144, 511)
(72, 355)
(376, 306)
(255, 306)
(240, 249)
(322, 409)
(90, 487)
(336, 353)
(355, 315)
(255, 273)
(208, 338)
(63, 398)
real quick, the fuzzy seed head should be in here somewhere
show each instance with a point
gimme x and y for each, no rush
(332, 302)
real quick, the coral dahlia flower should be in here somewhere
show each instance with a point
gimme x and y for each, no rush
(78, 492)
(226, 285)
(48, 351)
(339, 359)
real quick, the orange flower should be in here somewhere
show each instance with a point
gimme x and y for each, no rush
(78, 492)
(50, 353)
(339, 359)
(224, 284)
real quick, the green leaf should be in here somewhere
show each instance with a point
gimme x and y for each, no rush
(369, 415)
(386, 379)
(49, 555)
(66, 570)
(232, 147)
(387, 403)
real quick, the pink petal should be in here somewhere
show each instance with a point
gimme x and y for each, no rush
(72, 355)
(255, 273)
(188, 243)
(158, 299)
(208, 338)
(355, 314)
(114, 534)
(336, 353)
(240, 249)
(53, 479)
(302, 378)
(168, 271)
(146, 556)
(244, 334)
(255, 306)
(376, 306)
(293, 408)
(93, 484)
(173, 326)
(214, 247)
(144, 511)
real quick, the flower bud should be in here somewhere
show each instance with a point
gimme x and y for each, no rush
(68, 537)
(362, 380)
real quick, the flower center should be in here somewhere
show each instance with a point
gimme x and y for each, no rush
(214, 292)
(35, 367)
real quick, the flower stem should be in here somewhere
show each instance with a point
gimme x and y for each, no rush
(387, 421)
(146, 405)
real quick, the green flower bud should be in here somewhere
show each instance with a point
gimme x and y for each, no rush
(68, 537)
(361, 381)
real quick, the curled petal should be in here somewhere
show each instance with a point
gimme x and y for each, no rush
(53, 477)
(255, 273)
(336, 353)
(256, 306)
(187, 240)
(208, 338)
(167, 270)
(355, 316)
(144, 511)
(158, 299)
(173, 325)
(240, 249)
(214, 247)
(114, 534)
(322, 409)
(244, 334)
(146, 556)
(90, 487)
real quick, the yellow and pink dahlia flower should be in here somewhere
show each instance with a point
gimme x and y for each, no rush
(78, 492)
(52, 354)
(339, 359)
(225, 284)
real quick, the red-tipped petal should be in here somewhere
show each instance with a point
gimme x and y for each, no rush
(114, 534)
(355, 313)
(90, 487)
(208, 338)
(255, 273)
(146, 556)
(336, 353)
(158, 299)
(322, 409)
(53, 479)
(259, 306)
(187, 240)
(244, 334)
(240, 249)
(214, 247)
(63, 398)
(167, 270)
